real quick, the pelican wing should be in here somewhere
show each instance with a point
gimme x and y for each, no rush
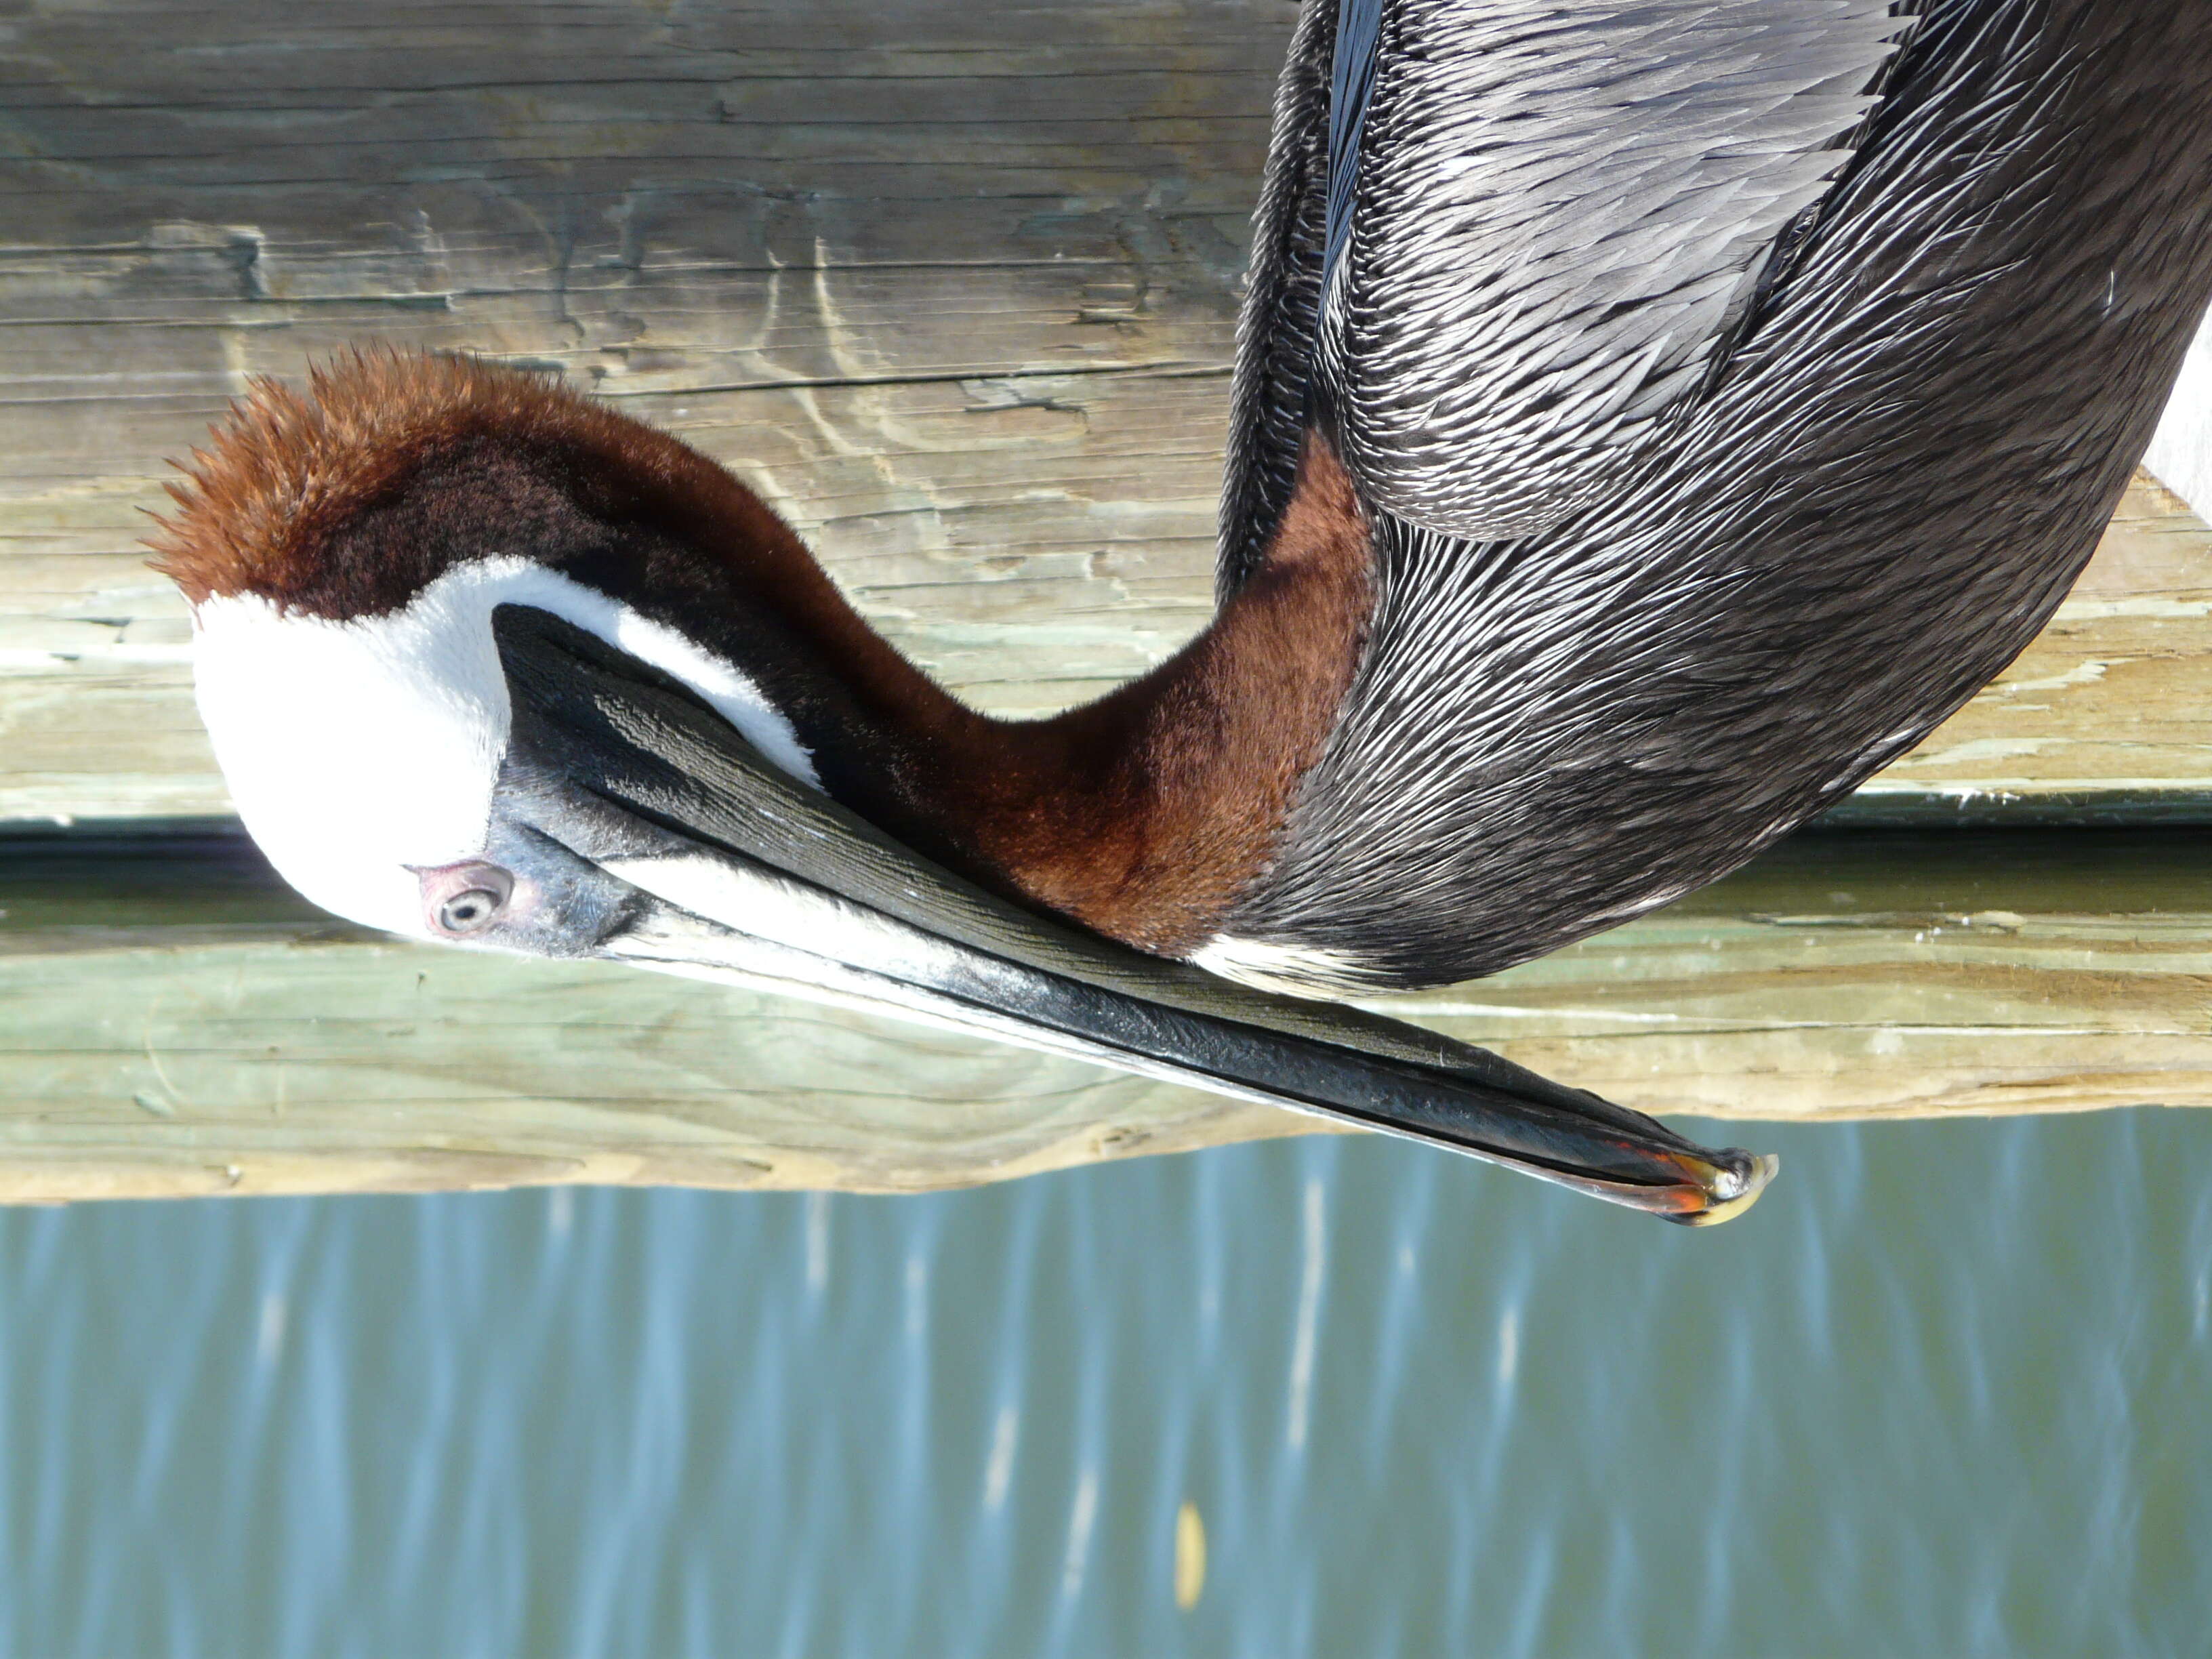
(1509, 235)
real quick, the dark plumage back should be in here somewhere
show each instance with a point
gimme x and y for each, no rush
(1893, 468)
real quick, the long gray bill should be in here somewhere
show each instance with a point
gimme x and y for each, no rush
(756, 877)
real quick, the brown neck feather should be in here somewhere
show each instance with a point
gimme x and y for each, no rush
(1145, 814)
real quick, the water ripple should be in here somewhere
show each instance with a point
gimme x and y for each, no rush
(1944, 1393)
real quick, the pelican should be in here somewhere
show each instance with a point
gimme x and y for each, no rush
(1649, 419)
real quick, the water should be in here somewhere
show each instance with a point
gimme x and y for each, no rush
(1949, 1391)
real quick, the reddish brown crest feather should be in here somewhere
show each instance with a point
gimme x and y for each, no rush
(285, 472)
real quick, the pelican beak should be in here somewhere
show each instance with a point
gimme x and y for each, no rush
(657, 836)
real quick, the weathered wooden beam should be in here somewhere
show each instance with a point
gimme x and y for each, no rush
(172, 1022)
(954, 285)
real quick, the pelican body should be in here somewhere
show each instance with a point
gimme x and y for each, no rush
(1648, 419)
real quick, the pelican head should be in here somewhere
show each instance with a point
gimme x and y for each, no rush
(488, 665)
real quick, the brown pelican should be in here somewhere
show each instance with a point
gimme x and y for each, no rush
(1648, 419)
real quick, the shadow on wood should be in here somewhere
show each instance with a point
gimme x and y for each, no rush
(173, 1021)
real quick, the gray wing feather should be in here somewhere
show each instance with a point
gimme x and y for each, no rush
(1543, 217)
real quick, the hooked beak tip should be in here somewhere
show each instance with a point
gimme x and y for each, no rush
(1731, 1182)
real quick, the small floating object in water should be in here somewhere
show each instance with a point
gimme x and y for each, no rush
(1189, 1557)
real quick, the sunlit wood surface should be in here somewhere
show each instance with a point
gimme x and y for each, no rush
(954, 285)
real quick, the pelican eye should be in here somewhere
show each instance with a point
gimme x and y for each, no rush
(464, 913)
(477, 894)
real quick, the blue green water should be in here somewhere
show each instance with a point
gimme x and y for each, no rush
(1947, 1391)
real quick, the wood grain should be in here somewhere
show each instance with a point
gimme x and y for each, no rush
(955, 286)
(173, 1021)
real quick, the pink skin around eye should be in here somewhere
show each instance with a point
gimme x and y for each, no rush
(501, 896)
